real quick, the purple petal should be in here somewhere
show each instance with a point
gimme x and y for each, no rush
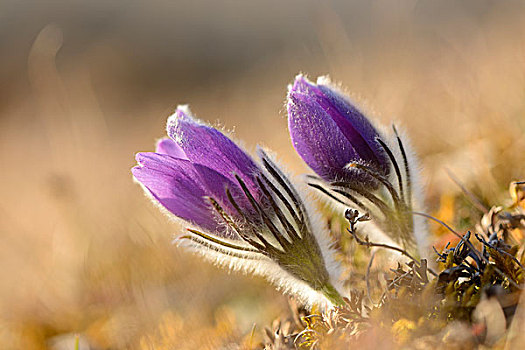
(317, 139)
(310, 104)
(175, 184)
(355, 127)
(207, 146)
(350, 121)
(169, 147)
(182, 188)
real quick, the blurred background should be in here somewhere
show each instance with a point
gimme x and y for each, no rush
(86, 85)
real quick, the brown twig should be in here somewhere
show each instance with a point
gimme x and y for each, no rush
(475, 201)
(368, 288)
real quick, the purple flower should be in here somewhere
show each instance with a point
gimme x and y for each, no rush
(201, 163)
(242, 214)
(357, 166)
(329, 132)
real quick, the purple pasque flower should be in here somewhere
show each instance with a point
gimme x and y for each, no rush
(198, 163)
(329, 132)
(242, 214)
(357, 166)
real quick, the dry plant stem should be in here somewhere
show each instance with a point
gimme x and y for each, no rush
(501, 273)
(368, 288)
(475, 201)
(386, 246)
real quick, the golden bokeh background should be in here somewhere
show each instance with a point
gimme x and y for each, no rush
(85, 85)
